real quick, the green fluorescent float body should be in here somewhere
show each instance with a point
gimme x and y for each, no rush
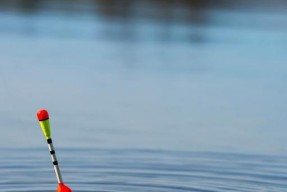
(44, 122)
(45, 126)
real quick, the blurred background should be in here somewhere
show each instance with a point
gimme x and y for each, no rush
(183, 75)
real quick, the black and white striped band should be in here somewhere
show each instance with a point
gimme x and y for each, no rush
(54, 160)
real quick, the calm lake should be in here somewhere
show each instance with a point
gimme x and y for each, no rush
(144, 95)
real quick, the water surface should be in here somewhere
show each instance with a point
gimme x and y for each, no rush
(138, 91)
(91, 170)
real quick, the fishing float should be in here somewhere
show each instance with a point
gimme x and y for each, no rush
(43, 117)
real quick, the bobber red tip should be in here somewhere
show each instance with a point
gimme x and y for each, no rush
(42, 115)
(63, 188)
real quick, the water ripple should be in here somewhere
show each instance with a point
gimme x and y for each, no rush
(90, 170)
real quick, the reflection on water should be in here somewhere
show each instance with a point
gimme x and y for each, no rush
(182, 75)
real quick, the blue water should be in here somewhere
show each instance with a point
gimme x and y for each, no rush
(90, 170)
(151, 99)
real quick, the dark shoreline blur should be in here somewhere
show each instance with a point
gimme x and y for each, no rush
(188, 10)
(120, 18)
